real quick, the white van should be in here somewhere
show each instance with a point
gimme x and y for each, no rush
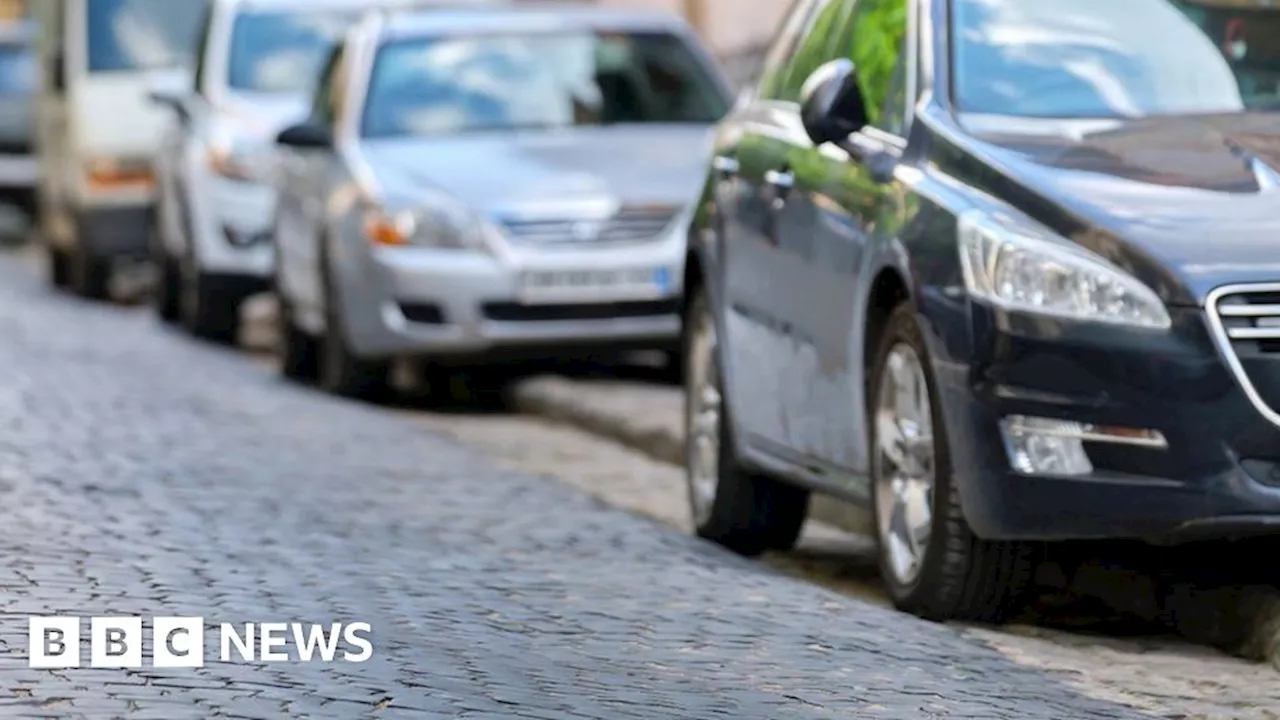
(97, 130)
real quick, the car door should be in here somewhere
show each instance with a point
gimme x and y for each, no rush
(755, 281)
(301, 210)
(838, 208)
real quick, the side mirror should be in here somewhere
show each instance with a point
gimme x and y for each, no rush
(171, 93)
(831, 103)
(305, 135)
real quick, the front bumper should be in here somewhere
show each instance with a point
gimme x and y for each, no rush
(1219, 475)
(406, 302)
(230, 223)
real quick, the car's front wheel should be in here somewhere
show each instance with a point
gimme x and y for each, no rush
(342, 371)
(930, 560)
(166, 297)
(208, 308)
(744, 511)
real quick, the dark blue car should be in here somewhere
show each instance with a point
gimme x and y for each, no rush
(1001, 272)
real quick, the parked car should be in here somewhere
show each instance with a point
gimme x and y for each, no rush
(476, 183)
(18, 75)
(212, 241)
(999, 273)
(96, 134)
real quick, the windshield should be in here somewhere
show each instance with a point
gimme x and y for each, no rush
(142, 34)
(1115, 58)
(17, 70)
(496, 82)
(282, 52)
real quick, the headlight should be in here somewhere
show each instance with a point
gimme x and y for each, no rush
(1020, 268)
(444, 226)
(239, 162)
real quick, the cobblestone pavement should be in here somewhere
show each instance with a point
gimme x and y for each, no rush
(146, 474)
(1161, 674)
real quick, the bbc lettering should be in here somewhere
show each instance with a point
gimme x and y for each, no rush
(176, 642)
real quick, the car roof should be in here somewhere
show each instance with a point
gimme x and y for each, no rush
(404, 23)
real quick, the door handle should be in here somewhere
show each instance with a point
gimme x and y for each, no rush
(725, 166)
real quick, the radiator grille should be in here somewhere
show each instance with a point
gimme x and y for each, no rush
(628, 226)
(1246, 324)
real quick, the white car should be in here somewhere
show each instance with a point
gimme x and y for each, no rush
(258, 61)
(482, 185)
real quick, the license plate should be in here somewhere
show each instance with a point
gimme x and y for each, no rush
(577, 283)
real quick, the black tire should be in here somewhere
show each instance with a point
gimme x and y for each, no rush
(342, 372)
(90, 275)
(166, 299)
(751, 513)
(962, 577)
(59, 266)
(299, 352)
(207, 308)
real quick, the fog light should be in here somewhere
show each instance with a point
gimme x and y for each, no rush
(1042, 446)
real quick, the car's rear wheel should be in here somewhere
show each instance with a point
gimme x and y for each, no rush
(299, 352)
(746, 512)
(342, 371)
(930, 560)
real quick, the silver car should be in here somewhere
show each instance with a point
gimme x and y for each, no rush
(491, 181)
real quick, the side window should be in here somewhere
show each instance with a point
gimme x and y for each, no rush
(324, 108)
(878, 48)
(822, 42)
(784, 47)
(872, 34)
(202, 48)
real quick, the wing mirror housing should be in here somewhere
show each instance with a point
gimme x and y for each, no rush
(305, 135)
(172, 92)
(833, 110)
(831, 103)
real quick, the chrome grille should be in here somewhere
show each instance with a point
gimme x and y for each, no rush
(628, 226)
(1245, 320)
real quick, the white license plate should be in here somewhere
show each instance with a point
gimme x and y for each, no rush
(551, 284)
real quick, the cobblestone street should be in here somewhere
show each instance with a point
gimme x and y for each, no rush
(146, 474)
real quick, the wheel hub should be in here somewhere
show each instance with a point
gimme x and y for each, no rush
(904, 464)
(703, 403)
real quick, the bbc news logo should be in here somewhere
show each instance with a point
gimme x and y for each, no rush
(177, 642)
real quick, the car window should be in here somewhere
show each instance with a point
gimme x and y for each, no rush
(784, 47)
(870, 33)
(202, 48)
(129, 35)
(282, 52)
(324, 107)
(876, 43)
(1107, 59)
(436, 85)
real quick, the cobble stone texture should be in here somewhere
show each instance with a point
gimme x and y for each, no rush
(143, 473)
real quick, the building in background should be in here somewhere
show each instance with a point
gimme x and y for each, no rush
(11, 10)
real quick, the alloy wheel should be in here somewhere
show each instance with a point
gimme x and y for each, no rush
(702, 406)
(904, 464)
